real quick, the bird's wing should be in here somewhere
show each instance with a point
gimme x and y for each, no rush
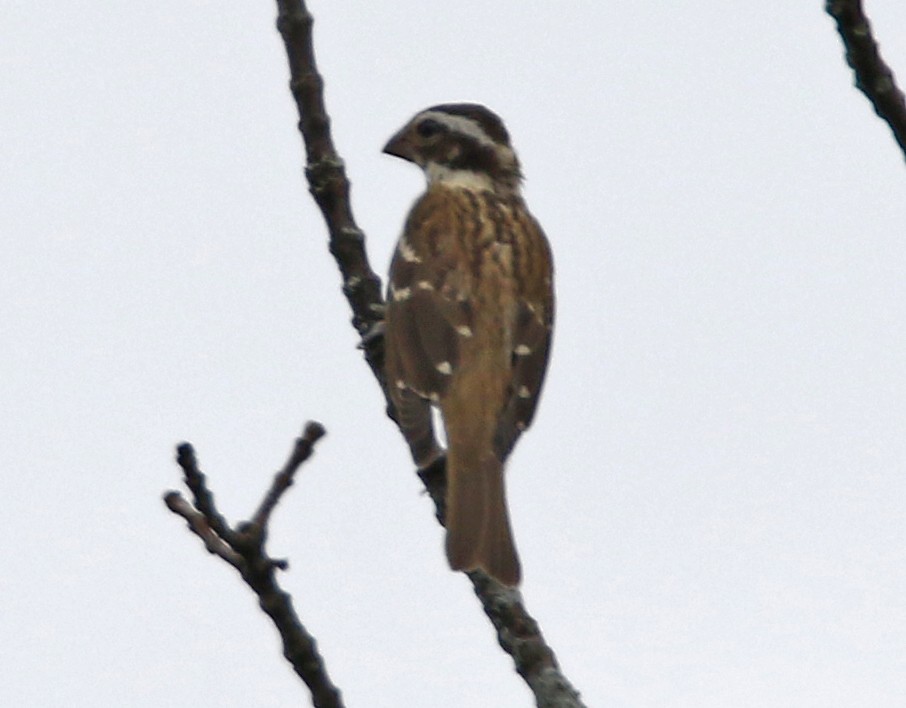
(427, 314)
(531, 337)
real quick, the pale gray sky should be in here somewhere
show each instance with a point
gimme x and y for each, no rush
(710, 506)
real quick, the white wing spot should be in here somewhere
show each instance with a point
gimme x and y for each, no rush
(522, 350)
(407, 252)
(445, 368)
(401, 385)
(401, 294)
(524, 392)
(425, 285)
(464, 330)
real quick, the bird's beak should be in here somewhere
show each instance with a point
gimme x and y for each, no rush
(401, 146)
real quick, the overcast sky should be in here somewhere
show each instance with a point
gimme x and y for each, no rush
(710, 505)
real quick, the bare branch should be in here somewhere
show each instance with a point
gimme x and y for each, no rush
(243, 548)
(874, 77)
(328, 183)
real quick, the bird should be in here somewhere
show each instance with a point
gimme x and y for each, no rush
(468, 322)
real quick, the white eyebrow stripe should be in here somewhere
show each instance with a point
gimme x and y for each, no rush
(460, 124)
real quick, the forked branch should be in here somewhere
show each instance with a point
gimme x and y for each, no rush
(243, 548)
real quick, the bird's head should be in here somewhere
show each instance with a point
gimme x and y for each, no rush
(459, 145)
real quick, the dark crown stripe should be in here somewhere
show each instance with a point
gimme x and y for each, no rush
(489, 121)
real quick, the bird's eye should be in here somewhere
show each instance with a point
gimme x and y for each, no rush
(428, 128)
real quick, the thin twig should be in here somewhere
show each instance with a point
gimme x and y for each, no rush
(874, 77)
(517, 632)
(203, 498)
(199, 525)
(243, 548)
(302, 450)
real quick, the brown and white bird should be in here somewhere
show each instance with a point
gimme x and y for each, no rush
(470, 309)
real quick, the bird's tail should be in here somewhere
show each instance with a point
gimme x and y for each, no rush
(478, 525)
